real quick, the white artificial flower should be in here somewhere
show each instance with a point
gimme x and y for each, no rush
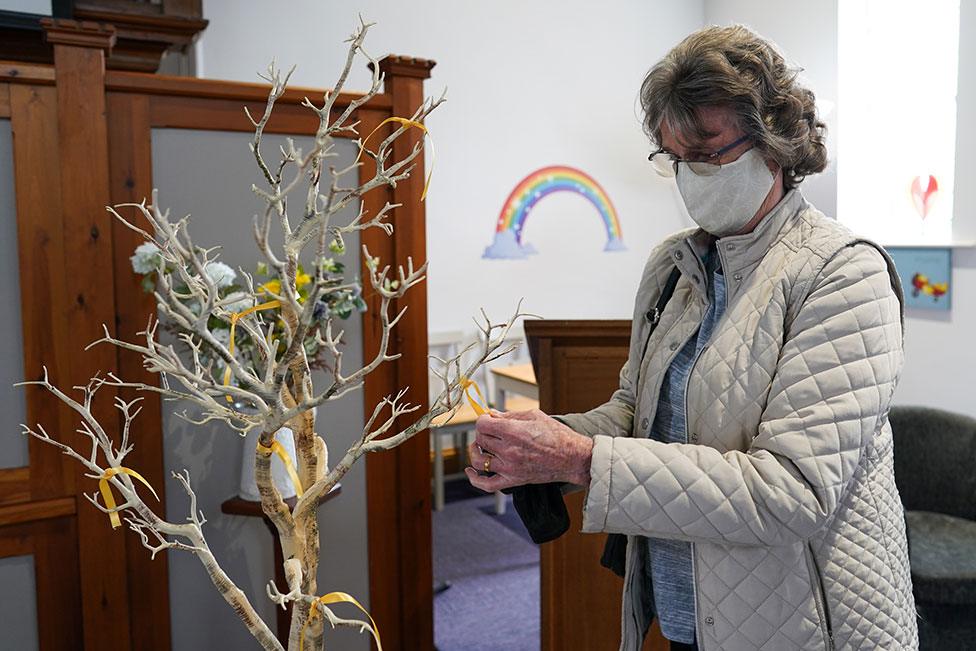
(242, 302)
(146, 258)
(221, 274)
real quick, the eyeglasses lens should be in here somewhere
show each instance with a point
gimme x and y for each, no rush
(663, 163)
(701, 168)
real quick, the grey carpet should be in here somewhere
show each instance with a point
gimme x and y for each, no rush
(493, 602)
(509, 519)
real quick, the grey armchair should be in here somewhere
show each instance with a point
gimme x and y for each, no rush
(935, 470)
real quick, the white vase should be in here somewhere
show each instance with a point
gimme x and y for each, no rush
(279, 474)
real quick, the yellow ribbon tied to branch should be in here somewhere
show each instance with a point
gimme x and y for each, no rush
(335, 598)
(233, 328)
(407, 123)
(279, 449)
(467, 384)
(106, 490)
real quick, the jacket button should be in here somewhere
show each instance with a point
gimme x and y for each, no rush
(709, 620)
(644, 423)
(694, 438)
(737, 277)
(673, 345)
(678, 255)
(650, 315)
(696, 279)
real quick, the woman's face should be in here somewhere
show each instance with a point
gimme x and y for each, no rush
(721, 121)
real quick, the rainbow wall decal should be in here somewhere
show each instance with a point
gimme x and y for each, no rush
(558, 178)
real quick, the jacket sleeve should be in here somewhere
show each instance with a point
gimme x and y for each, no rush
(832, 386)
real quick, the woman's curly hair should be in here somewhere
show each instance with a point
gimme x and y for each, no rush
(734, 67)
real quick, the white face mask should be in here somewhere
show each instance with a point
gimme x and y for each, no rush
(724, 202)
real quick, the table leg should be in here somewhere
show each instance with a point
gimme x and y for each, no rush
(500, 503)
(283, 616)
(500, 406)
(499, 397)
(438, 470)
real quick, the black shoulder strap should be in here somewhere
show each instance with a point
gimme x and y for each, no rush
(653, 315)
(666, 293)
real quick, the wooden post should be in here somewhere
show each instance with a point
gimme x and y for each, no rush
(79, 63)
(398, 482)
(130, 178)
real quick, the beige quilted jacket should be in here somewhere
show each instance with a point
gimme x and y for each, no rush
(785, 486)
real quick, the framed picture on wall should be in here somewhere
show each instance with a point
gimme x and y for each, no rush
(926, 276)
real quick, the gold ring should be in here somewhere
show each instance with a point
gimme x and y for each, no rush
(488, 464)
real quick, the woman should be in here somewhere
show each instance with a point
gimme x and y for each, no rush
(747, 453)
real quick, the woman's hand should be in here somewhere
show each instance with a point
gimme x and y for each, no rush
(527, 447)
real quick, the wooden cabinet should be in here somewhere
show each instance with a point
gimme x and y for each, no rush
(577, 366)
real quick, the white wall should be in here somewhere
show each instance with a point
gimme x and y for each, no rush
(530, 84)
(29, 6)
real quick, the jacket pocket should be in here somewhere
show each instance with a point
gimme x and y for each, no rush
(819, 597)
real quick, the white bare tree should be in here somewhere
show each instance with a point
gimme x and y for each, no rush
(274, 379)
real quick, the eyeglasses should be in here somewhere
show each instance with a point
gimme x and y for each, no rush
(666, 164)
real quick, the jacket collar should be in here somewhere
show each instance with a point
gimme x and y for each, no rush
(739, 253)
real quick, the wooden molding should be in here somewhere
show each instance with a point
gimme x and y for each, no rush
(144, 32)
(134, 34)
(402, 66)
(18, 72)
(33, 511)
(22, 38)
(136, 82)
(578, 328)
(78, 33)
(151, 27)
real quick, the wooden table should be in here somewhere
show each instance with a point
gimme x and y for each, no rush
(519, 378)
(240, 506)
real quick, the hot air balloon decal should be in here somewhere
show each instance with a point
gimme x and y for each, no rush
(924, 190)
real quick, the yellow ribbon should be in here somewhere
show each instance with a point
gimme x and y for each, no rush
(335, 598)
(407, 123)
(233, 328)
(106, 490)
(467, 384)
(278, 449)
